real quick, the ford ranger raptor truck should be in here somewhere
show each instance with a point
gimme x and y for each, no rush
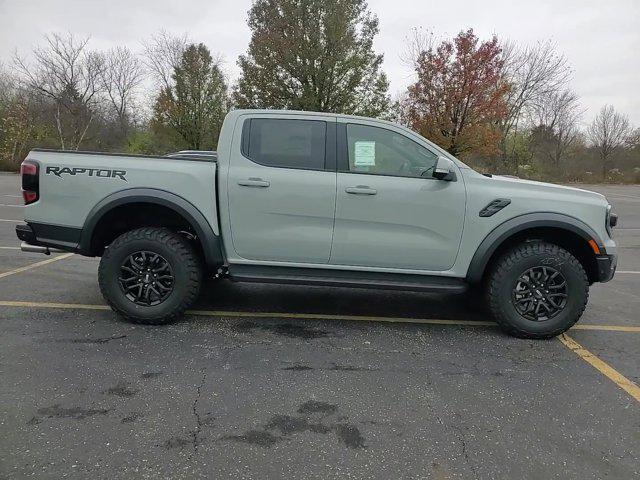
(319, 199)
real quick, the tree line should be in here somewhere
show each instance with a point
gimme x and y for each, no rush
(499, 106)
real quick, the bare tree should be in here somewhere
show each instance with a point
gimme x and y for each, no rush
(609, 131)
(163, 53)
(121, 77)
(20, 113)
(6, 95)
(634, 139)
(532, 73)
(66, 72)
(6, 85)
(555, 124)
(419, 41)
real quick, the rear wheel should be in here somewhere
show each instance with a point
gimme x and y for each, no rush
(150, 275)
(537, 290)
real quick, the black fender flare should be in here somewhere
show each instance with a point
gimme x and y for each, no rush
(505, 230)
(210, 242)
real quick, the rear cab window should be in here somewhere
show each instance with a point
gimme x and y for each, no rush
(286, 143)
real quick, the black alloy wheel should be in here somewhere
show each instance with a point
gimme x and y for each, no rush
(537, 289)
(540, 293)
(146, 278)
(150, 275)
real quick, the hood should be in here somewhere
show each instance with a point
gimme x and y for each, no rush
(532, 186)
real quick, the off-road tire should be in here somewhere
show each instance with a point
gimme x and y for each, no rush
(177, 251)
(504, 275)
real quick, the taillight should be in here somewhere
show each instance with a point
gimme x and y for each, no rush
(30, 181)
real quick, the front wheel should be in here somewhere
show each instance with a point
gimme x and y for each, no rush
(537, 290)
(150, 275)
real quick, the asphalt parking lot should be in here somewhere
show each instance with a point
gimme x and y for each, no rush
(310, 382)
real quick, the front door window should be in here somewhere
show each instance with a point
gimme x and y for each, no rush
(380, 151)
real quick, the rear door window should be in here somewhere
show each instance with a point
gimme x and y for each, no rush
(286, 143)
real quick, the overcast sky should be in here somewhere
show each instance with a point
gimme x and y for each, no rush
(601, 38)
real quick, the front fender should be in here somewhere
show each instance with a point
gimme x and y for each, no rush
(511, 227)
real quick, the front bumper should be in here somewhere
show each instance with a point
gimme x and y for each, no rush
(606, 267)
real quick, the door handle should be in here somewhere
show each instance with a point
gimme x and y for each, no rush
(254, 182)
(361, 190)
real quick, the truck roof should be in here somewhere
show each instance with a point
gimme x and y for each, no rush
(305, 112)
(440, 150)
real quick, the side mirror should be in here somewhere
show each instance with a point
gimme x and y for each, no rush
(444, 170)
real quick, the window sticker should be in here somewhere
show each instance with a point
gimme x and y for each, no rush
(365, 153)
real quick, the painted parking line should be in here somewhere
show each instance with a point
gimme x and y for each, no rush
(606, 328)
(311, 316)
(364, 318)
(603, 367)
(9, 220)
(628, 272)
(221, 313)
(35, 265)
(321, 316)
(8, 205)
(65, 306)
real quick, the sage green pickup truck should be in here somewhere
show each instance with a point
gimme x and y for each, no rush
(319, 199)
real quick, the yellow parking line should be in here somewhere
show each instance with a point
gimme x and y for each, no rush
(606, 328)
(603, 367)
(220, 313)
(320, 316)
(35, 265)
(313, 316)
(67, 306)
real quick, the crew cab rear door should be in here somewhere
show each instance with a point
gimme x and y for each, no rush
(282, 188)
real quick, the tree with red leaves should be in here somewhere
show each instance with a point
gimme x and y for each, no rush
(460, 94)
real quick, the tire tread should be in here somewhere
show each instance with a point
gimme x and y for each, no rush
(506, 263)
(173, 241)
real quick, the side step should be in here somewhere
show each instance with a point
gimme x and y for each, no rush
(344, 278)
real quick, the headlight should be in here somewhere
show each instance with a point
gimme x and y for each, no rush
(611, 220)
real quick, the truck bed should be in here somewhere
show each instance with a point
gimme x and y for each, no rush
(75, 184)
(193, 155)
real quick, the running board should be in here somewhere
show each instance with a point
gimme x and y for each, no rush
(345, 278)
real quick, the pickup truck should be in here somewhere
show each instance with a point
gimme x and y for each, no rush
(319, 199)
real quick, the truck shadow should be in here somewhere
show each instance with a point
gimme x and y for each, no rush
(253, 297)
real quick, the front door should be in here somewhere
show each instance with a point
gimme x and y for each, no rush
(282, 189)
(390, 211)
